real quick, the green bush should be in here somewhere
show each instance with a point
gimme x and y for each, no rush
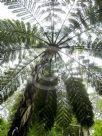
(3, 127)
(97, 128)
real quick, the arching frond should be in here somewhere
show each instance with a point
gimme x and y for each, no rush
(7, 86)
(15, 33)
(18, 40)
(46, 101)
(15, 77)
(78, 98)
(64, 115)
(48, 14)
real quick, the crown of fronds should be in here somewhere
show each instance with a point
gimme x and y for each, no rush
(35, 45)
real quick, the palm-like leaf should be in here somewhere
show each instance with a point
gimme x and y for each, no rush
(79, 101)
(64, 113)
(16, 32)
(46, 102)
(14, 77)
(16, 39)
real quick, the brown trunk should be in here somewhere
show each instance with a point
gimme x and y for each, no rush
(81, 131)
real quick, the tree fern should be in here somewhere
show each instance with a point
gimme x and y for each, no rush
(24, 112)
(53, 25)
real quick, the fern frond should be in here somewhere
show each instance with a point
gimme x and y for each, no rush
(15, 33)
(78, 98)
(64, 115)
(15, 77)
(46, 103)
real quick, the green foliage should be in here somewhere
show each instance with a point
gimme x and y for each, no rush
(45, 104)
(99, 105)
(14, 107)
(37, 129)
(5, 81)
(97, 46)
(97, 128)
(98, 87)
(79, 100)
(64, 112)
(3, 127)
(13, 32)
(95, 81)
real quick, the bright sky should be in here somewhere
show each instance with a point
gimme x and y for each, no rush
(5, 13)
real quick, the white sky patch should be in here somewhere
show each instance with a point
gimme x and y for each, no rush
(5, 13)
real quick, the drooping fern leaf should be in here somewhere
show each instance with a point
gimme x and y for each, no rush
(14, 77)
(46, 101)
(78, 98)
(64, 113)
